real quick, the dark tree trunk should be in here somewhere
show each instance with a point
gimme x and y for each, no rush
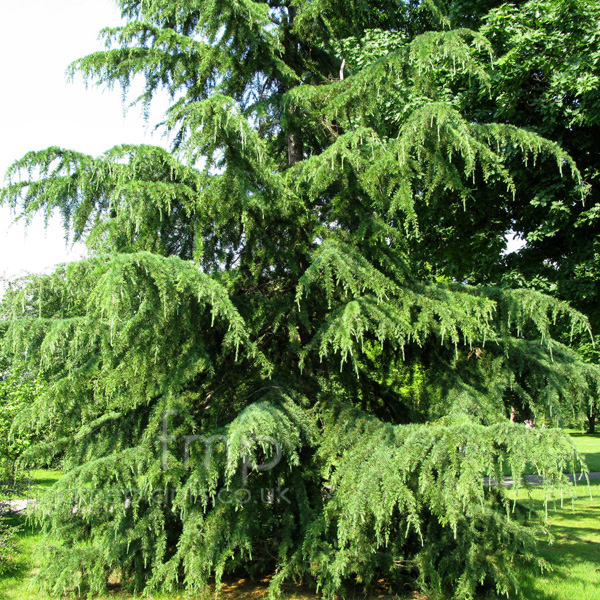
(295, 148)
(591, 418)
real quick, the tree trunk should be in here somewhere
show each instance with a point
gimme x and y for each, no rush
(295, 148)
(591, 417)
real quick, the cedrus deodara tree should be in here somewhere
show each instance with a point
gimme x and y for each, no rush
(254, 369)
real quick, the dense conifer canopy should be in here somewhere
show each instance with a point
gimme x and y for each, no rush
(266, 286)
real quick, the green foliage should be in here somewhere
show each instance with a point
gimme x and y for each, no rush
(17, 392)
(7, 544)
(544, 79)
(266, 363)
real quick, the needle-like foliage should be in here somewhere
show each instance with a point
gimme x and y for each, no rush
(254, 369)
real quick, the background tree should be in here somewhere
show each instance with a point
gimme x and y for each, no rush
(548, 82)
(545, 79)
(267, 281)
(17, 392)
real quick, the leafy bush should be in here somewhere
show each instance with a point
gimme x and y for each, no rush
(7, 543)
(17, 392)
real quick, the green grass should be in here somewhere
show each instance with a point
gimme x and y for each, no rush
(43, 478)
(14, 585)
(574, 554)
(31, 484)
(589, 447)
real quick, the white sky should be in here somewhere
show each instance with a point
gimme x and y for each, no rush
(39, 108)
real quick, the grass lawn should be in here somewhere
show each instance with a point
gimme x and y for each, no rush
(589, 447)
(574, 554)
(33, 483)
(14, 586)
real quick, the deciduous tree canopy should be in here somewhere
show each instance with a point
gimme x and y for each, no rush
(306, 283)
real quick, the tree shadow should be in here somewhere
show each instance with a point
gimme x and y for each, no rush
(592, 460)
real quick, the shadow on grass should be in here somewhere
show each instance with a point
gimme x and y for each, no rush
(572, 576)
(20, 567)
(29, 485)
(588, 446)
(574, 554)
(43, 484)
(592, 460)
